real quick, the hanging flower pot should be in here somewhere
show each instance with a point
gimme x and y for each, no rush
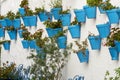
(22, 11)
(103, 29)
(55, 12)
(113, 16)
(8, 22)
(114, 54)
(12, 34)
(32, 44)
(66, 19)
(6, 45)
(2, 32)
(16, 23)
(117, 44)
(95, 42)
(61, 41)
(75, 31)
(118, 11)
(101, 10)
(80, 15)
(90, 12)
(3, 23)
(20, 33)
(83, 57)
(25, 44)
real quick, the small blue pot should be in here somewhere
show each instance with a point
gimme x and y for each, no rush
(118, 11)
(3, 23)
(113, 16)
(114, 54)
(66, 19)
(61, 41)
(6, 45)
(55, 13)
(80, 15)
(20, 33)
(2, 32)
(75, 31)
(95, 42)
(25, 44)
(103, 29)
(101, 10)
(16, 23)
(83, 57)
(22, 11)
(9, 22)
(117, 44)
(12, 34)
(32, 44)
(90, 12)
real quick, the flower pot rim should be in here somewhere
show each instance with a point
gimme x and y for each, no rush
(78, 10)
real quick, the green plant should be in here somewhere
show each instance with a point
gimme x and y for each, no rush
(26, 35)
(114, 35)
(1, 17)
(24, 3)
(11, 28)
(53, 24)
(116, 76)
(93, 3)
(65, 11)
(38, 10)
(75, 22)
(29, 12)
(17, 15)
(10, 15)
(56, 3)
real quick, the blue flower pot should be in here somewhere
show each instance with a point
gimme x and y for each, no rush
(30, 20)
(9, 22)
(90, 12)
(66, 19)
(75, 31)
(2, 32)
(117, 44)
(43, 16)
(118, 11)
(12, 35)
(6, 45)
(16, 23)
(83, 57)
(114, 54)
(103, 29)
(22, 11)
(95, 42)
(101, 10)
(20, 33)
(80, 15)
(32, 44)
(25, 44)
(3, 23)
(113, 16)
(61, 41)
(55, 13)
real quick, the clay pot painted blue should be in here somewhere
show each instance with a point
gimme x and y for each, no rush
(57, 30)
(6, 45)
(61, 41)
(114, 54)
(83, 57)
(117, 44)
(55, 13)
(118, 11)
(113, 16)
(30, 20)
(9, 22)
(103, 29)
(90, 12)
(25, 44)
(2, 32)
(16, 23)
(101, 10)
(66, 19)
(95, 42)
(80, 15)
(32, 44)
(22, 11)
(3, 23)
(43, 16)
(20, 33)
(75, 31)
(12, 34)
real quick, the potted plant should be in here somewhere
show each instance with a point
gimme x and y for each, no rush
(103, 29)
(65, 17)
(53, 27)
(82, 52)
(2, 31)
(56, 8)
(80, 15)
(6, 44)
(113, 42)
(2, 21)
(95, 41)
(75, 29)
(90, 9)
(111, 12)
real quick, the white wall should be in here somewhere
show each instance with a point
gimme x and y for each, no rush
(99, 61)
